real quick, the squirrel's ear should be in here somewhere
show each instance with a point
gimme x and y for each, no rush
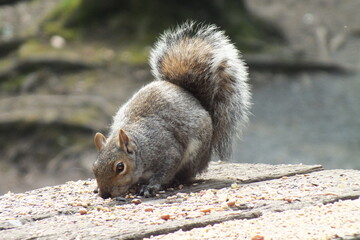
(124, 142)
(100, 141)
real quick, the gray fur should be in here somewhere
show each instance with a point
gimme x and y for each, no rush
(199, 100)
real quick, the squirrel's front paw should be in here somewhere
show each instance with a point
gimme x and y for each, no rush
(149, 190)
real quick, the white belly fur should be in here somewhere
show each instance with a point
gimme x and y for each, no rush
(191, 152)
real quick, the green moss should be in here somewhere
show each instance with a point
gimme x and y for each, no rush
(87, 78)
(139, 22)
(56, 22)
(85, 115)
(32, 47)
(56, 28)
(42, 49)
(66, 9)
(13, 84)
(5, 63)
(135, 55)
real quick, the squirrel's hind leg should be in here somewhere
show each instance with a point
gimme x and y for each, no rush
(164, 173)
(188, 172)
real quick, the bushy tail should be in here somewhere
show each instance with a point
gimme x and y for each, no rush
(202, 60)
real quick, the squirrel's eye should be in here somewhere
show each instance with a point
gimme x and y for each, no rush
(120, 167)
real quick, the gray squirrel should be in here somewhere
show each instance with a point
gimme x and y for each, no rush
(169, 129)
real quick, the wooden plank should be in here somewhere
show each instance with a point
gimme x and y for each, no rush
(340, 221)
(246, 173)
(72, 210)
(219, 175)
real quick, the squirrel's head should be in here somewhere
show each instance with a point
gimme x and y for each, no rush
(115, 165)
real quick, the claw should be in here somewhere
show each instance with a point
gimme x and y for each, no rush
(120, 199)
(149, 190)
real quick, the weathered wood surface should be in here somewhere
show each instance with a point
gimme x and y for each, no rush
(225, 193)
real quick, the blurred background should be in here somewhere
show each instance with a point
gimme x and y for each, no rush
(67, 65)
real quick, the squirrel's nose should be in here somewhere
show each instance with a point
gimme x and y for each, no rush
(105, 195)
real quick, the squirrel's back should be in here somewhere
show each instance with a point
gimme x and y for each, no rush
(203, 61)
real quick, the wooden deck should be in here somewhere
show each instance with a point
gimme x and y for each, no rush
(227, 195)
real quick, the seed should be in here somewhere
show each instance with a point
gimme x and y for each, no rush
(83, 211)
(231, 203)
(207, 210)
(136, 201)
(165, 217)
(257, 237)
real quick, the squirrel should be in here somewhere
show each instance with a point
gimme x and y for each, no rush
(169, 129)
